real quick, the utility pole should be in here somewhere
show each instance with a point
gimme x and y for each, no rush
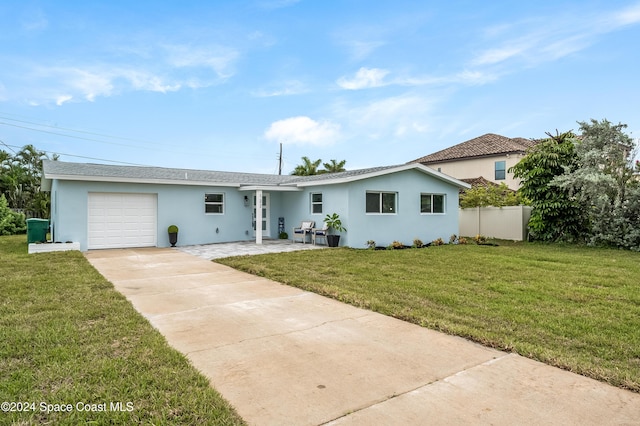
(280, 160)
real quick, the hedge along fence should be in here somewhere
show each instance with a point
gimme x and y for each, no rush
(505, 223)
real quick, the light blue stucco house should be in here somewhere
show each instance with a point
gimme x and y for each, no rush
(106, 206)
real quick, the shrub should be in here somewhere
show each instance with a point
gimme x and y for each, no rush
(417, 243)
(453, 239)
(11, 222)
(283, 236)
(462, 240)
(437, 242)
(396, 245)
(173, 229)
(371, 245)
(480, 239)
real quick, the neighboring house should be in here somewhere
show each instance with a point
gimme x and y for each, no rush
(488, 156)
(106, 206)
(479, 181)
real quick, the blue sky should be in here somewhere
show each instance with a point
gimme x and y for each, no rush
(219, 84)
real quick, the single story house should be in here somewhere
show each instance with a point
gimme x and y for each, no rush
(107, 206)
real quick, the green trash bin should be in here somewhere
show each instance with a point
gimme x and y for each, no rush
(37, 230)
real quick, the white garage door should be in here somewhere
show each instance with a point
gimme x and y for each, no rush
(122, 220)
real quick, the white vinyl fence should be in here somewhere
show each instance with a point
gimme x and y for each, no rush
(505, 223)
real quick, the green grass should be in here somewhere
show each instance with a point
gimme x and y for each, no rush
(68, 337)
(577, 308)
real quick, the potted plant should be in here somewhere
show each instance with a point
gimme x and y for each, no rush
(173, 235)
(333, 223)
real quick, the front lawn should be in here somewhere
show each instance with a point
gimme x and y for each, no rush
(577, 308)
(73, 351)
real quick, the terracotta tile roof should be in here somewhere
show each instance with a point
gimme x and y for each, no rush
(485, 145)
(479, 181)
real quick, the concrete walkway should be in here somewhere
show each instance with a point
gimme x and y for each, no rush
(244, 248)
(283, 356)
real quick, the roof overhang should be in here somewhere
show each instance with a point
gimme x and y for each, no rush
(410, 166)
(270, 188)
(117, 179)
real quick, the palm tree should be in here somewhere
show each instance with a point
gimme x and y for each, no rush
(334, 166)
(307, 168)
(20, 178)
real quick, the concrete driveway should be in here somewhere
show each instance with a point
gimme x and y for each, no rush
(281, 355)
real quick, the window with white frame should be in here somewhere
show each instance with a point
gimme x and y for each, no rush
(431, 203)
(214, 203)
(316, 203)
(381, 202)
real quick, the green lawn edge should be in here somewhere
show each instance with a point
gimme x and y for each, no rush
(68, 337)
(573, 307)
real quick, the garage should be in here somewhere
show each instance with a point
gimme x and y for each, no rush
(118, 220)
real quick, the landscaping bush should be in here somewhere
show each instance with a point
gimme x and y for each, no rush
(396, 245)
(11, 222)
(437, 242)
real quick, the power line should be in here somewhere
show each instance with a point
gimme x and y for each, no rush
(78, 156)
(32, 122)
(8, 146)
(71, 130)
(65, 135)
(155, 147)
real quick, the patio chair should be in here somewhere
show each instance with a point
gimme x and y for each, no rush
(319, 233)
(302, 231)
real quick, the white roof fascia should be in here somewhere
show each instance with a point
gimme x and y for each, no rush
(272, 188)
(139, 180)
(422, 168)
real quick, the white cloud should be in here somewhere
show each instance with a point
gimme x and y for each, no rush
(218, 58)
(364, 78)
(303, 130)
(64, 84)
(143, 80)
(362, 49)
(90, 84)
(536, 41)
(292, 87)
(474, 77)
(62, 99)
(628, 16)
(493, 56)
(392, 117)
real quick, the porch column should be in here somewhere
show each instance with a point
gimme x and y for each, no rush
(258, 216)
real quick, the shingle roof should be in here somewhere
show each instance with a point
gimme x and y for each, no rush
(60, 168)
(485, 145)
(102, 172)
(339, 175)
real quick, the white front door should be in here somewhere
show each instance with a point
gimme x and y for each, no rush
(265, 215)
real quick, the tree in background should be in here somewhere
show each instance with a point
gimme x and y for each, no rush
(307, 168)
(310, 168)
(490, 195)
(556, 214)
(334, 166)
(604, 186)
(20, 178)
